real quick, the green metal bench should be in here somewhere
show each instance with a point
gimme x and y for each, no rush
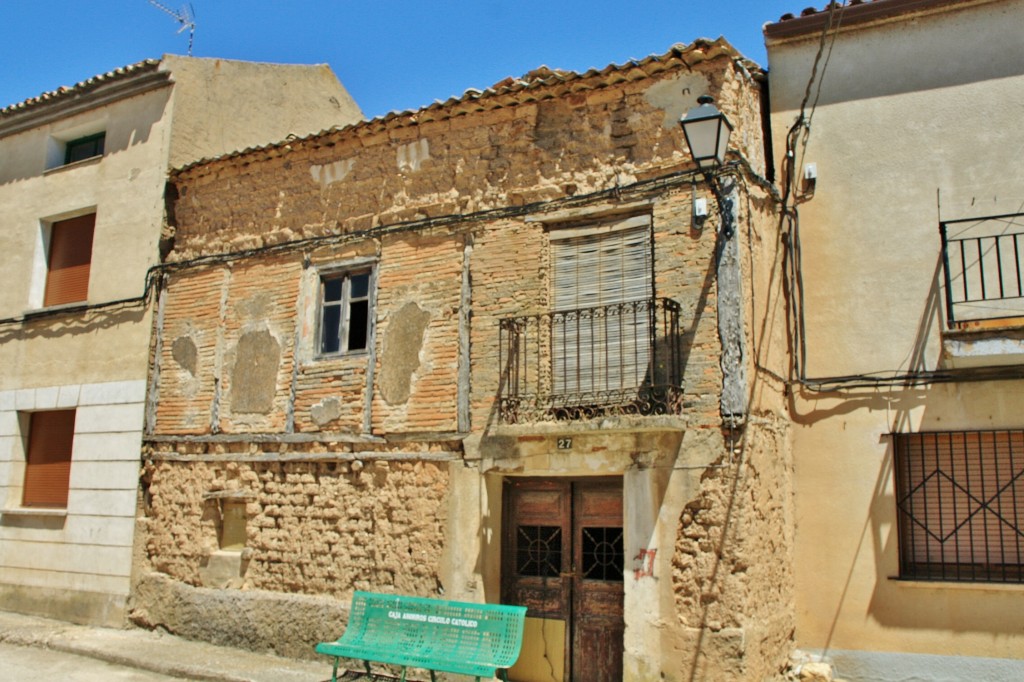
(481, 640)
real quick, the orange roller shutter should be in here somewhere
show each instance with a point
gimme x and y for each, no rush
(67, 280)
(48, 464)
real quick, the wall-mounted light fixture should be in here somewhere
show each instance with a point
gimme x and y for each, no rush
(700, 212)
(707, 133)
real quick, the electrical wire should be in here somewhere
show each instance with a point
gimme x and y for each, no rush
(155, 274)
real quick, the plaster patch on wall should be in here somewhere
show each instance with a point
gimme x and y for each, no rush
(401, 353)
(411, 155)
(254, 377)
(325, 411)
(332, 172)
(185, 353)
(255, 307)
(676, 96)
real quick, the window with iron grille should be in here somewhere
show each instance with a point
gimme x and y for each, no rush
(345, 313)
(48, 459)
(960, 505)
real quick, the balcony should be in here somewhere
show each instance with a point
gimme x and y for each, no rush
(982, 260)
(623, 358)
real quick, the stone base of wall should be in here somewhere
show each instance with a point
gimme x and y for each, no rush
(84, 608)
(283, 624)
(885, 666)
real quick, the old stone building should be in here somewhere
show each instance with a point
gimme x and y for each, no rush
(488, 350)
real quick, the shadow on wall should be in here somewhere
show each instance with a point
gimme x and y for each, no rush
(126, 125)
(894, 604)
(74, 324)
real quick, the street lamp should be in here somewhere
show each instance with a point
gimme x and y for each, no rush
(707, 133)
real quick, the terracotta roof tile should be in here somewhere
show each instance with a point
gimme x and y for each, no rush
(537, 85)
(854, 11)
(67, 92)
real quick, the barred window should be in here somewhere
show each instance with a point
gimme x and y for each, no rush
(960, 505)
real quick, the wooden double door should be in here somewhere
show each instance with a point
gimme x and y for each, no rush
(563, 558)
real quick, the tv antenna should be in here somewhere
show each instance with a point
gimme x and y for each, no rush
(186, 16)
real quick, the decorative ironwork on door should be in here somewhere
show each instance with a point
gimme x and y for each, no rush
(564, 560)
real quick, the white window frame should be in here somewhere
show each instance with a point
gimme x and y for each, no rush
(345, 273)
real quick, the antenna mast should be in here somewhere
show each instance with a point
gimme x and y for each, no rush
(185, 17)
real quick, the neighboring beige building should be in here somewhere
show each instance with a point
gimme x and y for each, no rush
(82, 183)
(908, 409)
(484, 351)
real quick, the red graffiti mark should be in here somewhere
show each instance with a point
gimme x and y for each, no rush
(644, 564)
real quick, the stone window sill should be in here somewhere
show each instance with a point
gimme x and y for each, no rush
(956, 585)
(35, 511)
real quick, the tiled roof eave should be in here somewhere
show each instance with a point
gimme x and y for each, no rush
(854, 14)
(95, 92)
(515, 92)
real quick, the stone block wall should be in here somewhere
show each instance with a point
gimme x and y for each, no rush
(319, 528)
(546, 137)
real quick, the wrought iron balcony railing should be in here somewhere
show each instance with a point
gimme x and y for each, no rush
(623, 358)
(983, 259)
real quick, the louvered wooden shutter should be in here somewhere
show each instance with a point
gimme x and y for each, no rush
(48, 462)
(67, 280)
(599, 347)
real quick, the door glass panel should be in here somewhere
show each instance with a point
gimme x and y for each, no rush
(539, 551)
(602, 553)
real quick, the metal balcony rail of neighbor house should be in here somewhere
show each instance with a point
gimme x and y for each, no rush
(622, 358)
(982, 261)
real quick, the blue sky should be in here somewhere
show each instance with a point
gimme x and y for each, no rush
(391, 55)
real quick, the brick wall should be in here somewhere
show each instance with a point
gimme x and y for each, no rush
(429, 199)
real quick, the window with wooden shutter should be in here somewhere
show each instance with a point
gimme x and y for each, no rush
(600, 344)
(960, 505)
(67, 277)
(48, 459)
